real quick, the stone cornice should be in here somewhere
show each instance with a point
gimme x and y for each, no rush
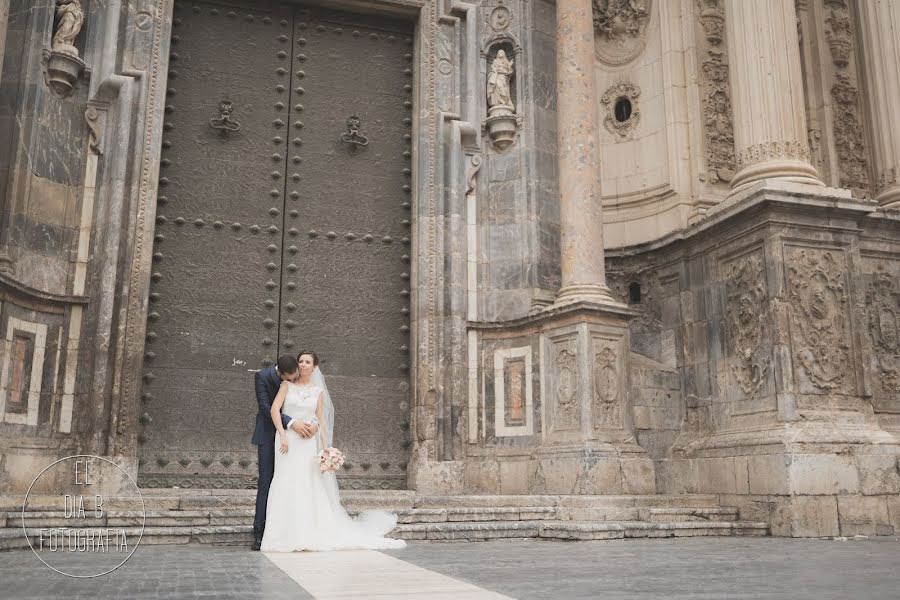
(784, 196)
(8, 285)
(555, 313)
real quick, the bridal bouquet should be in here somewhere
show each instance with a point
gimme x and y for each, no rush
(330, 459)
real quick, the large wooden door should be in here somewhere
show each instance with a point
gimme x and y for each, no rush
(282, 225)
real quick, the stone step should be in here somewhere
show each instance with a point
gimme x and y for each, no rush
(664, 515)
(568, 502)
(12, 537)
(582, 508)
(188, 503)
(244, 516)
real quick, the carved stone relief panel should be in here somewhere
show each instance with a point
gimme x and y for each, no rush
(718, 129)
(513, 394)
(849, 139)
(820, 325)
(619, 29)
(565, 412)
(882, 302)
(747, 325)
(608, 397)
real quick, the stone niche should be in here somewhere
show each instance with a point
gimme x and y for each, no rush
(553, 413)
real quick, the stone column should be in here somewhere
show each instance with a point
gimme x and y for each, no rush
(880, 26)
(767, 92)
(580, 208)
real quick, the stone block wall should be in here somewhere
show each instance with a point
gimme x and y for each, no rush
(45, 224)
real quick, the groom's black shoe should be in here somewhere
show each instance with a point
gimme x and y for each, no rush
(257, 543)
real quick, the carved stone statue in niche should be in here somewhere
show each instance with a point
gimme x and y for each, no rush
(498, 88)
(62, 66)
(502, 122)
(70, 17)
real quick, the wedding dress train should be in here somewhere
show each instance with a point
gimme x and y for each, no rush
(304, 510)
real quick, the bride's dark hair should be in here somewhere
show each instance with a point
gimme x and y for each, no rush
(311, 353)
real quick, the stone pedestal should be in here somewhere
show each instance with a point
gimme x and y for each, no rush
(880, 38)
(785, 381)
(555, 415)
(767, 92)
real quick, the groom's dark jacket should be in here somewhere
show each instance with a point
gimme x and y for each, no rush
(267, 383)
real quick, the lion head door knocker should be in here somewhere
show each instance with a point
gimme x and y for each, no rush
(224, 123)
(353, 137)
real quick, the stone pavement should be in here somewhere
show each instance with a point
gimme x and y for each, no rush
(681, 569)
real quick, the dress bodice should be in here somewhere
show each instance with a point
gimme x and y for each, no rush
(301, 401)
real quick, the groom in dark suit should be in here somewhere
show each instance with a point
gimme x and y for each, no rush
(267, 382)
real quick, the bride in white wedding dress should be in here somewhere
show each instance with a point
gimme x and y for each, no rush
(304, 510)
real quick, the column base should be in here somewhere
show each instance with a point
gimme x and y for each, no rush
(797, 171)
(889, 198)
(585, 292)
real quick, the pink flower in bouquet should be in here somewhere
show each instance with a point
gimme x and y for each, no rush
(330, 459)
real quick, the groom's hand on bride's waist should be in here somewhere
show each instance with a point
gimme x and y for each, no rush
(304, 430)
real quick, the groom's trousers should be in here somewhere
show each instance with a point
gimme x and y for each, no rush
(266, 459)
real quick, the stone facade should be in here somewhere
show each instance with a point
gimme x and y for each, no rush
(636, 265)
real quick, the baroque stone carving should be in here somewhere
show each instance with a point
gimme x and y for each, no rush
(472, 174)
(62, 66)
(747, 324)
(95, 129)
(773, 150)
(619, 27)
(616, 19)
(887, 178)
(607, 408)
(566, 411)
(815, 146)
(818, 301)
(883, 311)
(622, 112)
(500, 18)
(848, 134)
(712, 19)
(718, 128)
(838, 35)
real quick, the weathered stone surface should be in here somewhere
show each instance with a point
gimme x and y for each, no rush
(864, 515)
(879, 474)
(814, 516)
(823, 474)
(768, 474)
